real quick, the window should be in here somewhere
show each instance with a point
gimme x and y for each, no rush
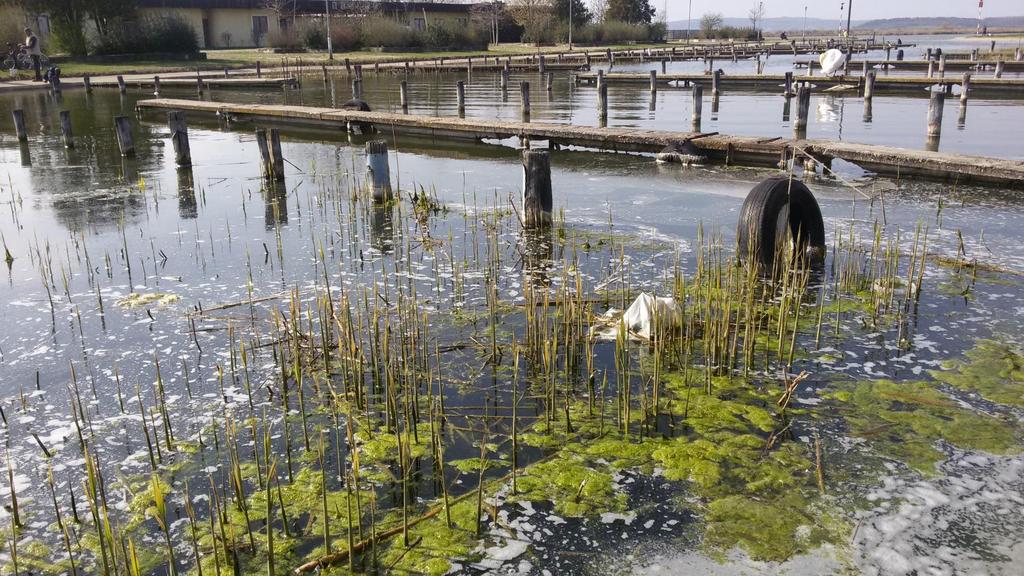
(283, 24)
(419, 24)
(260, 26)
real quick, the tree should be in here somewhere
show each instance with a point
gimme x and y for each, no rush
(632, 11)
(66, 18)
(756, 14)
(580, 13)
(108, 14)
(710, 23)
(535, 16)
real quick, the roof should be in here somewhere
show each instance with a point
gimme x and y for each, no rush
(313, 6)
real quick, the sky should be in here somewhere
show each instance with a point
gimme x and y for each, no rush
(862, 9)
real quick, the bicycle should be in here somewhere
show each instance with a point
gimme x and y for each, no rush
(18, 59)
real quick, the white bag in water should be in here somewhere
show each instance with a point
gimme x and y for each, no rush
(647, 311)
(831, 61)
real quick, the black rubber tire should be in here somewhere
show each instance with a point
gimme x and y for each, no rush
(759, 217)
(359, 105)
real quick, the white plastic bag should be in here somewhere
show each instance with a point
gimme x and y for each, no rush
(648, 312)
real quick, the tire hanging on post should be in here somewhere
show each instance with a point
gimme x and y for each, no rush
(773, 206)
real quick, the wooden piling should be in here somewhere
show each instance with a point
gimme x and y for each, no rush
(803, 106)
(787, 89)
(504, 78)
(935, 105)
(65, 129)
(602, 100)
(403, 95)
(19, 124)
(378, 171)
(266, 163)
(965, 87)
(259, 70)
(869, 85)
(931, 68)
(698, 106)
(226, 72)
(999, 69)
(323, 70)
(537, 197)
(87, 81)
(942, 66)
(1018, 54)
(123, 131)
(540, 64)
(179, 138)
(276, 156)
(460, 93)
(357, 89)
(654, 81)
(716, 79)
(156, 85)
(549, 81)
(524, 98)
(121, 85)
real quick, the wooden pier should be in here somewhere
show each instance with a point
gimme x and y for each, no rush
(732, 150)
(1013, 86)
(1009, 66)
(208, 81)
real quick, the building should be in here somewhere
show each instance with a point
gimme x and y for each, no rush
(249, 23)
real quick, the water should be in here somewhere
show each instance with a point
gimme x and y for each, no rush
(92, 227)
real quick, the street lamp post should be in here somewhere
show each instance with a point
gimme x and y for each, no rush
(330, 45)
(804, 34)
(689, 12)
(570, 25)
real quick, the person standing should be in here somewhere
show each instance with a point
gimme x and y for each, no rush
(34, 51)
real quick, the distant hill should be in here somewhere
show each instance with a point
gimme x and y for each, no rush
(794, 25)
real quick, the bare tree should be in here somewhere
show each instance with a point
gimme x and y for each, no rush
(535, 16)
(756, 15)
(710, 23)
(488, 16)
(599, 8)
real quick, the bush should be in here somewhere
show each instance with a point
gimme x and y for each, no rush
(345, 34)
(159, 34)
(289, 40)
(731, 32)
(378, 31)
(613, 31)
(450, 37)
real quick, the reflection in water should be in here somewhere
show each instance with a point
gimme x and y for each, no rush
(536, 250)
(961, 120)
(275, 196)
(129, 170)
(867, 110)
(382, 230)
(26, 156)
(714, 106)
(932, 144)
(786, 107)
(187, 208)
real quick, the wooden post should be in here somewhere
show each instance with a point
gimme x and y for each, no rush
(654, 81)
(931, 68)
(87, 81)
(406, 67)
(611, 58)
(716, 78)
(179, 138)
(524, 102)
(19, 125)
(121, 85)
(226, 72)
(537, 199)
(403, 94)
(276, 157)
(378, 172)
(460, 93)
(125, 141)
(357, 89)
(540, 64)
(587, 57)
(65, 129)
(664, 66)
(869, 85)
(348, 67)
(266, 163)
(935, 105)
(259, 69)
(504, 78)
(942, 66)
(156, 85)
(965, 87)
(602, 100)
(1018, 54)
(803, 106)
(787, 89)
(999, 69)
(549, 81)
(323, 69)
(864, 68)
(698, 106)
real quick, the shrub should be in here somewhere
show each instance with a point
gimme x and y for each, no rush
(446, 36)
(158, 34)
(289, 40)
(614, 31)
(378, 31)
(345, 34)
(731, 32)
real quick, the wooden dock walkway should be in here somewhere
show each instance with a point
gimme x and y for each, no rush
(208, 81)
(1014, 86)
(732, 150)
(1009, 66)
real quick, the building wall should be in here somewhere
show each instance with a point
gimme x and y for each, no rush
(225, 27)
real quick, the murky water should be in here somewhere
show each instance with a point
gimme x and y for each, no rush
(87, 229)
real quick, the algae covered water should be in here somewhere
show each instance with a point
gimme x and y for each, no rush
(205, 372)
